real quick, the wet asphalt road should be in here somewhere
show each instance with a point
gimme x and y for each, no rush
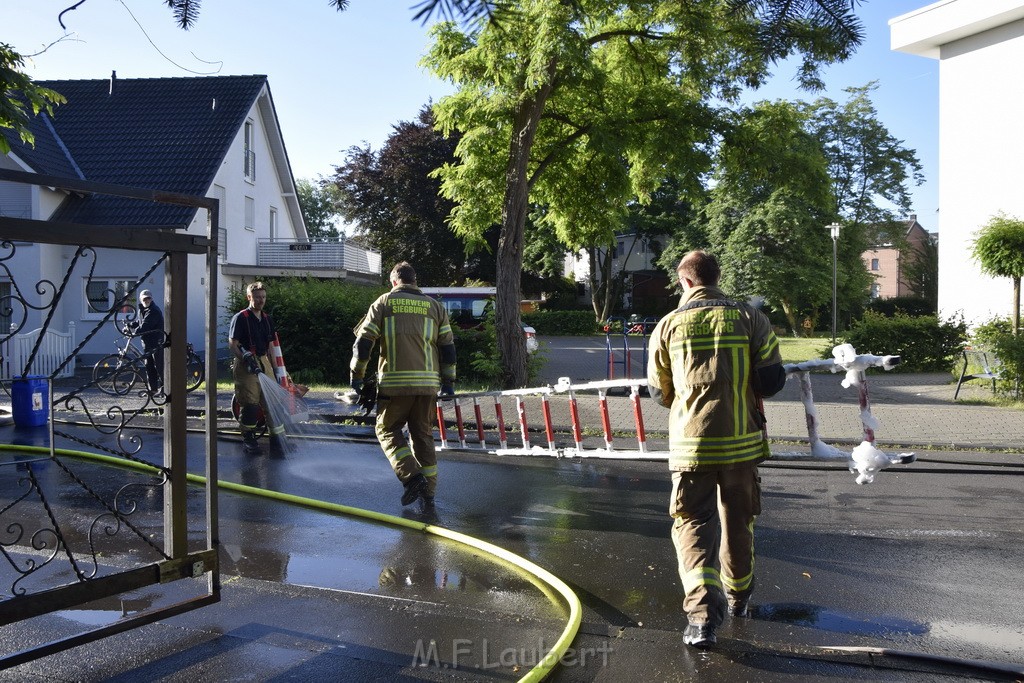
(927, 558)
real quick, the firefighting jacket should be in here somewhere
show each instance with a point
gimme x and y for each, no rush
(705, 359)
(417, 349)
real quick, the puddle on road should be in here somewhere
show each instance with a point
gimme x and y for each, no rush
(817, 617)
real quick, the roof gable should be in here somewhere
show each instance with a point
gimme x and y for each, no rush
(155, 133)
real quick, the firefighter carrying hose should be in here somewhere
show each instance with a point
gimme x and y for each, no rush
(711, 361)
(417, 357)
(249, 339)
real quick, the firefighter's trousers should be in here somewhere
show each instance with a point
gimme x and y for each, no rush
(415, 454)
(250, 398)
(713, 533)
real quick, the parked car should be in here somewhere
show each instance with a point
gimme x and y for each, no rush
(468, 308)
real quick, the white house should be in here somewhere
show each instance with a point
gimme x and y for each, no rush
(980, 46)
(216, 137)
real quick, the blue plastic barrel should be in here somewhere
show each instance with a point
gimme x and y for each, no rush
(30, 400)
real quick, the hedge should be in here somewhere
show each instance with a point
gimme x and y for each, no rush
(924, 343)
(561, 323)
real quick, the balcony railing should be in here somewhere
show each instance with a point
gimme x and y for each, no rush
(317, 255)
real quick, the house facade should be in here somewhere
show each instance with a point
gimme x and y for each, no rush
(216, 137)
(646, 289)
(981, 142)
(887, 262)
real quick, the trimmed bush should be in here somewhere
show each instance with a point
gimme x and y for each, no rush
(925, 343)
(561, 323)
(910, 305)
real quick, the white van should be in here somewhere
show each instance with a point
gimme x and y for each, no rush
(468, 308)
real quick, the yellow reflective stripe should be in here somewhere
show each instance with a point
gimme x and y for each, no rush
(742, 583)
(390, 341)
(709, 344)
(701, 576)
(429, 471)
(448, 371)
(720, 441)
(277, 429)
(769, 348)
(445, 329)
(428, 339)
(737, 398)
(400, 454)
(369, 330)
(703, 458)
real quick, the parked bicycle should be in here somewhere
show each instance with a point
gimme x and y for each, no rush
(117, 373)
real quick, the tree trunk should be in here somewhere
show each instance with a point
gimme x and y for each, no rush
(514, 210)
(1016, 306)
(787, 308)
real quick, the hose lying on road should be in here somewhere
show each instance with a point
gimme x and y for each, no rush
(537, 673)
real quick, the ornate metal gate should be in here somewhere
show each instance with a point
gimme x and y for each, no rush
(99, 510)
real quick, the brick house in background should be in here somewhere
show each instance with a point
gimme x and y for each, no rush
(886, 262)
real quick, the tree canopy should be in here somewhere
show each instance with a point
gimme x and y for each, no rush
(391, 198)
(20, 97)
(318, 201)
(582, 107)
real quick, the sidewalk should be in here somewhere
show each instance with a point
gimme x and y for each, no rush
(914, 409)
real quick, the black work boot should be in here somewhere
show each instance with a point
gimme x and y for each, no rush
(414, 488)
(249, 444)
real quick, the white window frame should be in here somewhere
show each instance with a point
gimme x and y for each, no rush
(249, 154)
(250, 214)
(273, 224)
(876, 290)
(118, 283)
(874, 264)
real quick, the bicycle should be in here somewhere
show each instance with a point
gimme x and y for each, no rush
(117, 373)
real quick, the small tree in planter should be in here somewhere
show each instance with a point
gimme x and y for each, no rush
(999, 248)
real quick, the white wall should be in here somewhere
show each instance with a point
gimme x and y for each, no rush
(980, 46)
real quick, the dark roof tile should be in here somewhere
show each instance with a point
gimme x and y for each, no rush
(153, 133)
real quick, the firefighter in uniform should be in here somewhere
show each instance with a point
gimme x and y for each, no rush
(417, 357)
(711, 360)
(249, 338)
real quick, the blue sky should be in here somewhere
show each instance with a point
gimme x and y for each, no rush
(344, 78)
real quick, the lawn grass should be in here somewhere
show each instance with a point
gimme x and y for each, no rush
(799, 349)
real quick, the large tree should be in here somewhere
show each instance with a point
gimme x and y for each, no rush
(870, 170)
(318, 201)
(391, 198)
(582, 107)
(770, 201)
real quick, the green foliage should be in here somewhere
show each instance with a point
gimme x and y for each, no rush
(909, 305)
(557, 323)
(870, 169)
(319, 204)
(924, 343)
(921, 271)
(997, 336)
(999, 248)
(572, 110)
(394, 202)
(479, 359)
(18, 96)
(315, 320)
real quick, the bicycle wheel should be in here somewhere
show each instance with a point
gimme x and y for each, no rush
(114, 375)
(195, 372)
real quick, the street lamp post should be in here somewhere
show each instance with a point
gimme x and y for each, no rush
(834, 231)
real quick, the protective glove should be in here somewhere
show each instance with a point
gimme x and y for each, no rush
(447, 390)
(251, 362)
(357, 384)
